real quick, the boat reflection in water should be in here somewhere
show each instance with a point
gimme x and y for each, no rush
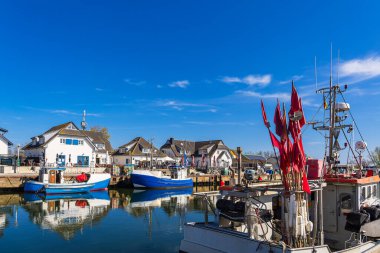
(69, 213)
(146, 198)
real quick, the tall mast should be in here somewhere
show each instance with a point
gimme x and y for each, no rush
(332, 92)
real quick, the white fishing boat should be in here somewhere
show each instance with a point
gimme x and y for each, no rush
(51, 181)
(291, 218)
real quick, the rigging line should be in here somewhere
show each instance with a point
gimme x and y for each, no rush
(348, 155)
(350, 147)
(307, 126)
(361, 136)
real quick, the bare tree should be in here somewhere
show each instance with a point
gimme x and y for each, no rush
(265, 154)
(376, 155)
(102, 130)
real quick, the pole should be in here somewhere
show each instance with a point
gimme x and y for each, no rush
(239, 150)
(18, 155)
(321, 234)
(275, 153)
(151, 153)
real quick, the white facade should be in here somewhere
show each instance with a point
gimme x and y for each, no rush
(4, 148)
(5, 144)
(66, 145)
(69, 153)
(122, 160)
(221, 158)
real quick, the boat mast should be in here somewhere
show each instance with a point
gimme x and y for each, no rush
(332, 92)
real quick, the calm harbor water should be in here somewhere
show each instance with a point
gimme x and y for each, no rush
(114, 221)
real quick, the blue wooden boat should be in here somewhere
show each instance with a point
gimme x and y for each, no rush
(155, 179)
(51, 181)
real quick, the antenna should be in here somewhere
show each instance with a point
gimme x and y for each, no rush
(331, 65)
(315, 73)
(84, 123)
(337, 71)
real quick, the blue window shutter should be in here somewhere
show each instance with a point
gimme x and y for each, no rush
(75, 142)
(69, 141)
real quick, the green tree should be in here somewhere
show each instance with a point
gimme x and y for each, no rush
(102, 130)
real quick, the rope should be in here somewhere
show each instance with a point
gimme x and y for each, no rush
(353, 119)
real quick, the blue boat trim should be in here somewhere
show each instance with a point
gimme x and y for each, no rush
(145, 181)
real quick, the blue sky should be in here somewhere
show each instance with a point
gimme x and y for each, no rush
(192, 70)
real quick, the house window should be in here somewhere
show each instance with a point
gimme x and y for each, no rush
(83, 160)
(100, 145)
(62, 141)
(146, 150)
(121, 150)
(80, 142)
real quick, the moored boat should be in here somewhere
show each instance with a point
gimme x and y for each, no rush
(157, 180)
(51, 181)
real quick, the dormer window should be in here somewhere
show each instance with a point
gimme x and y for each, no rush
(146, 150)
(99, 145)
(121, 150)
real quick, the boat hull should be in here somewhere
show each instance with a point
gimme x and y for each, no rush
(153, 182)
(100, 181)
(97, 182)
(202, 238)
(38, 187)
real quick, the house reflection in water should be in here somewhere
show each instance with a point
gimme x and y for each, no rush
(67, 215)
(5, 211)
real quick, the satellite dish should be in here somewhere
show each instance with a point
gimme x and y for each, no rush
(342, 107)
(360, 146)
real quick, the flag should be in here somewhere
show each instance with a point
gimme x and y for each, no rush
(193, 161)
(266, 123)
(278, 120)
(305, 184)
(294, 100)
(295, 107)
(325, 105)
(275, 142)
(302, 120)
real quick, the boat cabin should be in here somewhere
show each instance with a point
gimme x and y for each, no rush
(51, 175)
(178, 172)
(344, 196)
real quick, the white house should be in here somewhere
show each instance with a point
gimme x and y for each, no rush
(5, 144)
(139, 152)
(200, 154)
(67, 145)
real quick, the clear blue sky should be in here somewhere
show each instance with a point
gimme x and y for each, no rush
(194, 70)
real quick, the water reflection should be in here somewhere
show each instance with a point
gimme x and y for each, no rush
(112, 216)
(66, 214)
